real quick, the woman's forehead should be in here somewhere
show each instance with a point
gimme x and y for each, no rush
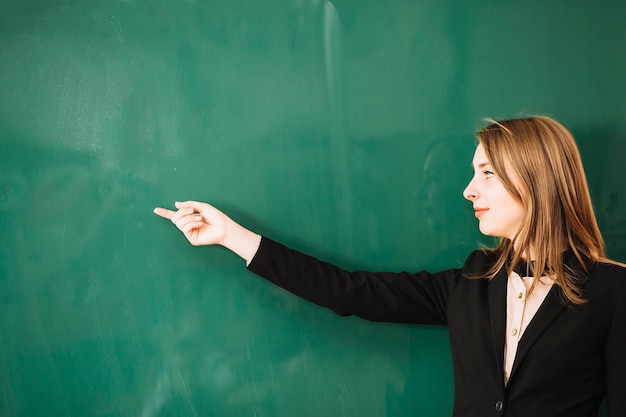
(480, 157)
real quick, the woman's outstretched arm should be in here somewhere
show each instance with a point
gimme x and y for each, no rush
(203, 224)
(385, 296)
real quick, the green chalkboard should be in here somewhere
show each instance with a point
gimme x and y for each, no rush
(341, 128)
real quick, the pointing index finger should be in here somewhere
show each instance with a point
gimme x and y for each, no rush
(165, 213)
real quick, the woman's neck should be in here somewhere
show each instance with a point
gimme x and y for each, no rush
(527, 255)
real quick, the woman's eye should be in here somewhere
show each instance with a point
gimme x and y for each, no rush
(488, 174)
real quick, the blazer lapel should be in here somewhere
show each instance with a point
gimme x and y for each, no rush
(497, 315)
(551, 307)
(548, 311)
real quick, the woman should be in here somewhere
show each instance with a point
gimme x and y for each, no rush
(537, 324)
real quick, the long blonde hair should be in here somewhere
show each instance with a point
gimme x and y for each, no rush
(539, 164)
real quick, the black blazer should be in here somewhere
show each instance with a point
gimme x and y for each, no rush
(568, 359)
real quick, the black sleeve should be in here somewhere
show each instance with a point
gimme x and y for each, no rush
(615, 356)
(383, 296)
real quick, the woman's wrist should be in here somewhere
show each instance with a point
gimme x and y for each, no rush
(241, 241)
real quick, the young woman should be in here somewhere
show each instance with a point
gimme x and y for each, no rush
(537, 324)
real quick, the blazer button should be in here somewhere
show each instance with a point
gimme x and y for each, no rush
(499, 406)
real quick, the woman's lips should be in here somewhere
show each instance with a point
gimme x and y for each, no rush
(478, 211)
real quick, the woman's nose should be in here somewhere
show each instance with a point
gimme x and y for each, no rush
(470, 192)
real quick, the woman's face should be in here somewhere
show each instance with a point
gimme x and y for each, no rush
(497, 212)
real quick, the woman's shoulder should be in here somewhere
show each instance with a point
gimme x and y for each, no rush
(608, 267)
(609, 278)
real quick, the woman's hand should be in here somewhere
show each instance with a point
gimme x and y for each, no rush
(203, 224)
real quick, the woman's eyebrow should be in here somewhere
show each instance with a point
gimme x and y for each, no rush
(482, 165)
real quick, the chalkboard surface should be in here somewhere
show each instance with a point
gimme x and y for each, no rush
(344, 129)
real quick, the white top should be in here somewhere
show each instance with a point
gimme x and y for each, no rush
(519, 312)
